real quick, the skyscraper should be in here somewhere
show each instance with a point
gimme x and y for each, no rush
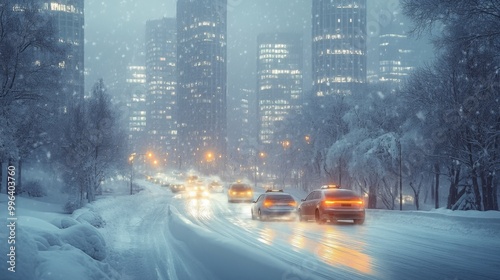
(279, 80)
(201, 68)
(240, 118)
(397, 54)
(338, 46)
(161, 99)
(69, 21)
(137, 110)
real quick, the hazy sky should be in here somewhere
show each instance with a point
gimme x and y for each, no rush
(114, 32)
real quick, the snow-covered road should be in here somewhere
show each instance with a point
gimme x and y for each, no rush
(158, 235)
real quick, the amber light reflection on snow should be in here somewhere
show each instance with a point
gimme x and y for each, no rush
(330, 250)
(267, 235)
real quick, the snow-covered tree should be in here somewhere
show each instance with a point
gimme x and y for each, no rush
(374, 122)
(91, 146)
(462, 86)
(29, 54)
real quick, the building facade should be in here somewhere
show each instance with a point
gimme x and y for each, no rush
(279, 81)
(201, 69)
(239, 120)
(396, 52)
(338, 46)
(136, 92)
(161, 99)
(69, 21)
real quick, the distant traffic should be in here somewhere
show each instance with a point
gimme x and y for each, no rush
(327, 203)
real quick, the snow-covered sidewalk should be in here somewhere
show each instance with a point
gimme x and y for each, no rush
(48, 244)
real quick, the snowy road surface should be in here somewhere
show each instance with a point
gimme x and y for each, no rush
(159, 235)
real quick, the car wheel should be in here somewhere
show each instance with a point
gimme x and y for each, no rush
(253, 216)
(318, 218)
(301, 218)
(359, 221)
(262, 218)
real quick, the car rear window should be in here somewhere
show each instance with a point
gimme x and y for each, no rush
(344, 194)
(240, 187)
(284, 198)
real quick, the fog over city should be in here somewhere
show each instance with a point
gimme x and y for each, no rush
(249, 139)
(115, 31)
(115, 34)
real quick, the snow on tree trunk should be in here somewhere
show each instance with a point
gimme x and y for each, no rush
(454, 178)
(436, 188)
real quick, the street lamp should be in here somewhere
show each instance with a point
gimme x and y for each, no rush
(209, 160)
(286, 144)
(209, 157)
(400, 176)
(307, 138)
(131, 160)
(260, 155)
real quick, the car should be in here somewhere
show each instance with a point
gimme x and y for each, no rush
(274, 204)
(240, 192)
(332, 203)
(192, 179)
(197, 191)
(177, 188)
(215, 186)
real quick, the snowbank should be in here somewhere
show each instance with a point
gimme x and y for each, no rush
(64, 248)
(87, 239)
(26, 257)
(88, 215)
(476, 223)
(66, 262)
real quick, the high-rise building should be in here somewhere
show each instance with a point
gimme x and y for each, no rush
(201, 68)
(137, 110)
(245, 115)
(239, 116)
(279, 80)
(69, 21)
(161, 99)
(397, 55)
(338, 46)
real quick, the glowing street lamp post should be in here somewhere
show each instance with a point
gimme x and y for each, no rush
(209, 158)
(260, 155)
(131, 159)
